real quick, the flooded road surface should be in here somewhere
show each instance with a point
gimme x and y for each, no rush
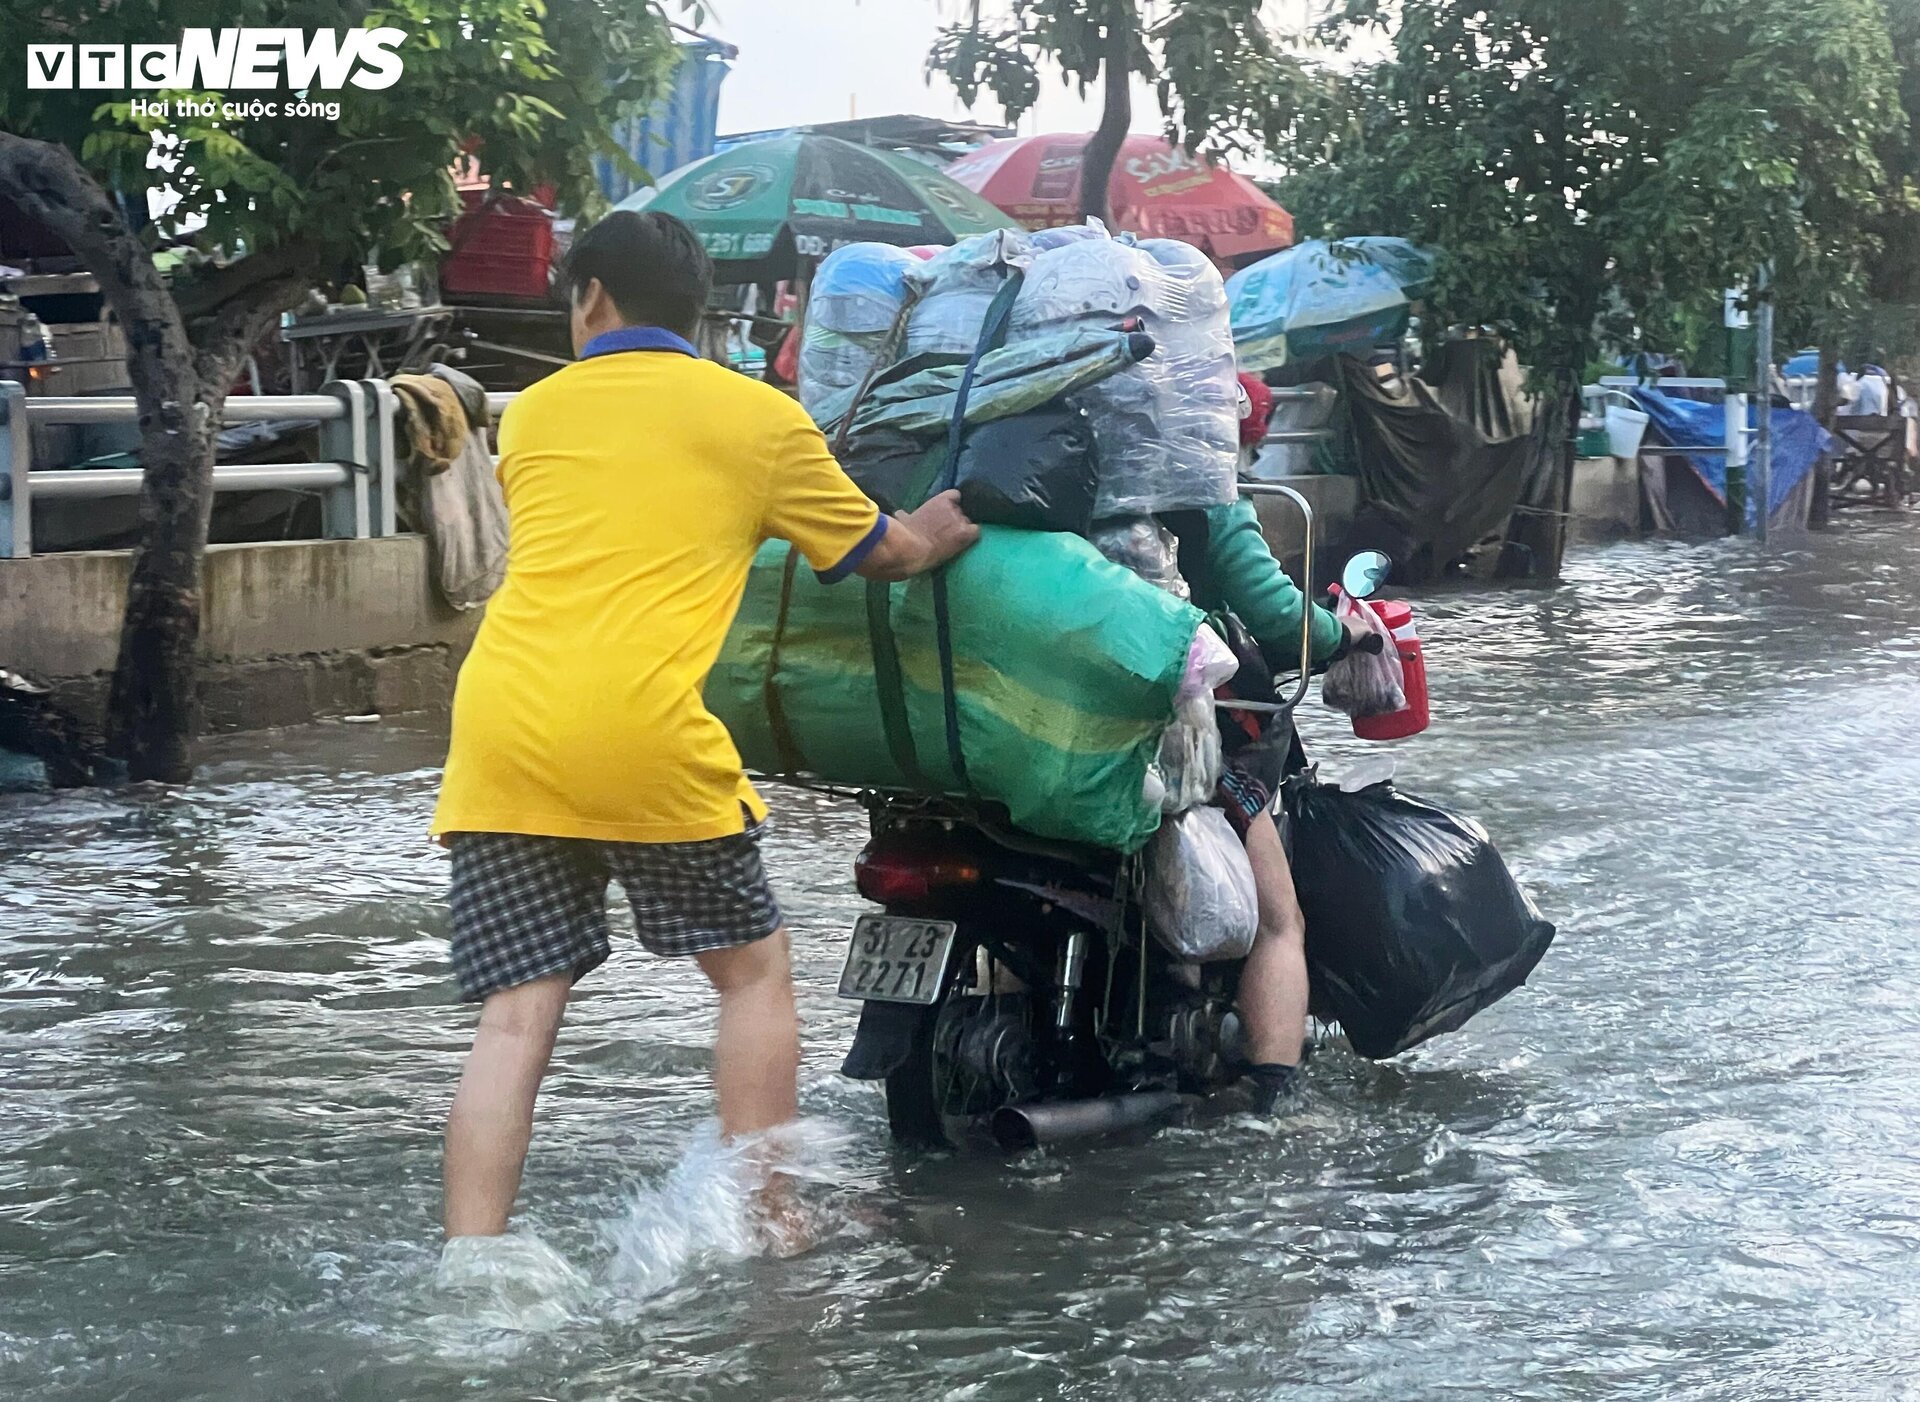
(1684, 1164)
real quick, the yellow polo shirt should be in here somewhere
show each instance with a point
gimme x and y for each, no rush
(639, 483)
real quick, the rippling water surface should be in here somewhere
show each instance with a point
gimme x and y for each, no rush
(1684, 1164)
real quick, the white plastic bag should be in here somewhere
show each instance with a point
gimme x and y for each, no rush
(1365, 683)
(855, 298)
(1200, 899)
(1168, 428)
(1143, 545)
(1189, 758)
(1210, 664)
(960, 284)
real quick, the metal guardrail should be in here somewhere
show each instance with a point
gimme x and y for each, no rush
(1593, 398)
(356, 479)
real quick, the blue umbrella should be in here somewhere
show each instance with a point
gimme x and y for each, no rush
(1804, 365)
(1318, 298)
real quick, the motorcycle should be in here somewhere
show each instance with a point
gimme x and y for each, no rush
(1010, 988)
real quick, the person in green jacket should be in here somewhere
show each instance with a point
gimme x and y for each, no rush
(1226, 563)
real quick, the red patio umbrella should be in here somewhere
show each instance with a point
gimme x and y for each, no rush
(1157, 190)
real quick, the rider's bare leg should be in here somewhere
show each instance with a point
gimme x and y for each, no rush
(1273, 982)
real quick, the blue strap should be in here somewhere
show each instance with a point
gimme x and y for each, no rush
(993, 334)
(638, 338)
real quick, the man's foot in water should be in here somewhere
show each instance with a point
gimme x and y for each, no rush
(1275, 1087)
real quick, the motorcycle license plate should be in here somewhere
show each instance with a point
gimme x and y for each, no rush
(891, 959)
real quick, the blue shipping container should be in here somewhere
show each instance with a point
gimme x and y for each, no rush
(681, 127)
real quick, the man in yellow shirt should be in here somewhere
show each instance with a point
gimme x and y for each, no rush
(639, 482)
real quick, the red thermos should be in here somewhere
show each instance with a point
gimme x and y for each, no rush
(1397, 614)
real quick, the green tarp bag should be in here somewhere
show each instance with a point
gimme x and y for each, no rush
(1066, 669)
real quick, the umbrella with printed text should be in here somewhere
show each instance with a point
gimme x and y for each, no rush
(763, 208)
(1157, 191)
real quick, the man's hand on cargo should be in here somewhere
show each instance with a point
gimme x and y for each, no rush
(921, 540)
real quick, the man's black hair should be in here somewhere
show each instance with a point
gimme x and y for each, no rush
(652, 265)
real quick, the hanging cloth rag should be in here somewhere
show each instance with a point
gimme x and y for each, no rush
(454, 493)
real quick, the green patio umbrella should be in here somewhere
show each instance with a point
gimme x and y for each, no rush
(763, 207)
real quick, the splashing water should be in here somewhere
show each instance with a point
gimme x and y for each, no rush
(727, 1201)
(723, 1201)
(505, 1286)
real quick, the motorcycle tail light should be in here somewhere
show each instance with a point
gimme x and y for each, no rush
(898, 878)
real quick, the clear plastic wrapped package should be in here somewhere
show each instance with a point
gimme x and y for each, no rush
(856, 296)
(1187, 767)
(1143, 545)
(1365, 684)
(1189, 760)
(1168, 429)
(1200, 897)
(1058, 237)
(959, 285)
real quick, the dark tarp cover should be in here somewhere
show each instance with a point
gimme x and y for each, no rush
(1446, 459)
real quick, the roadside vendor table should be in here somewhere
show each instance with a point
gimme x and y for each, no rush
(370, 344)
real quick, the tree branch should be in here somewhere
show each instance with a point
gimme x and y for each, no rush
(205, 295)
(223, 339)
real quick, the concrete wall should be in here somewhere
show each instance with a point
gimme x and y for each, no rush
(1605, 499)
(301, 629)
(1334, 501)
(293, 630)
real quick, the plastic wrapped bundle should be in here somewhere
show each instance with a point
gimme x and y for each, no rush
(1067, 671)
(856, 296)
(1143, 545)
(960, 285)
(1189, 761)
(1059, 237)
(1200, 899)
(1168, 430)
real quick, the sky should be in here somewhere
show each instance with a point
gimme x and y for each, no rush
(825, 60)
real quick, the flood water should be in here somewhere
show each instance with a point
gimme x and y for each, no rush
(1685, 1163)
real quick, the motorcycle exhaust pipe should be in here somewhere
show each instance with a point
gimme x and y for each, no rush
(1017, 1127)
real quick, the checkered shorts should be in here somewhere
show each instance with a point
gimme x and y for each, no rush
(525, 907)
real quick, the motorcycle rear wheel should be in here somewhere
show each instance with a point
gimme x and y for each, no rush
(914, 1093)
(933, 1098)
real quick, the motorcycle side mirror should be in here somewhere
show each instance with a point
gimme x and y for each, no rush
(1365, 573)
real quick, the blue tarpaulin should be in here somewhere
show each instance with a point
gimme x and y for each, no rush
(680, 128)
(1798, 442)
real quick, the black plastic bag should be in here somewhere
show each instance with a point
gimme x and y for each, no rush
(1414, 923)
(894, 469)
(1034, 470)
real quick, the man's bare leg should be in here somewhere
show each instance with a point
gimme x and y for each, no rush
(491, 1123)
(756, 1051)
(1273, 982)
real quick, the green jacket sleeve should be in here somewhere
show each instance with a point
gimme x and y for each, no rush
(1251, 583)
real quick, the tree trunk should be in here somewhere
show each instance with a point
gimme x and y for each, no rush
(180, 391)
(1116, 116)
(153, 707)
(1826, 395)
